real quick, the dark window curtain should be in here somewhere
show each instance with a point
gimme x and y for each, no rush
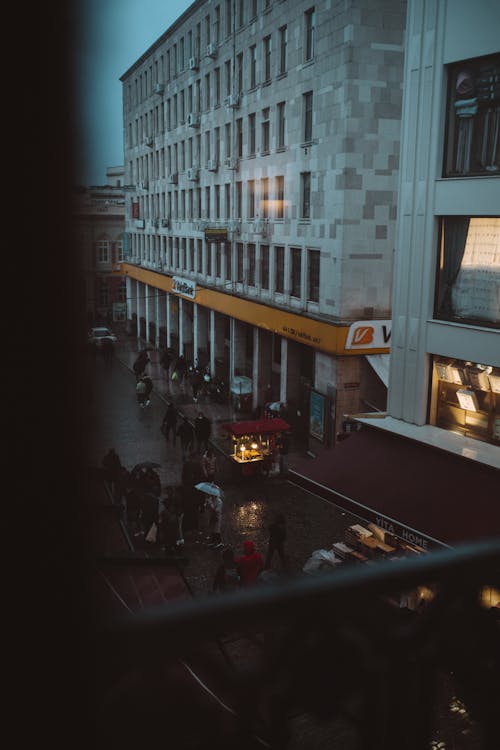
(455, 229)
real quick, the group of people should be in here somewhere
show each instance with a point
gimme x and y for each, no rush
(191, 437)
(144, 382)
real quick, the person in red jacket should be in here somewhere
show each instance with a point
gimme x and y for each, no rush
(250, 564)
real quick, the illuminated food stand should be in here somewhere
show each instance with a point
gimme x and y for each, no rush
(254, 444)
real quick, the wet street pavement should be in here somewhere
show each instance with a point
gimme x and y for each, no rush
(116, 420)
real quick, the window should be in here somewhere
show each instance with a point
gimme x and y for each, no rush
(199, 253)
(218, 263)
(182, 107)
(473, 118)
(280, 197)
(251, 264)
(265, 131)
(217, 86)
(308, 112)
(217, 145)
(181, 54)
(253, 9)
(217, 25)
(227, 199)
(217, 201)
(207, 146)
(227, 75)
(119, 252)
(279, 269)
(310, 20)
(229, 20)
(103, 294)
(253, 66)
(227, 253)
(283, 40)
(207, 202)
(122, 291)
(295, 272)
(251, 135)
(207, 91)
(280, 135)
(102, 251)
(264, 266)
(251, 199)
(239, 198)
(227, 139)
(469, 270)
(241, 13)
(239, 73)
(191, 256)
(239, 263)
(313, 268)
(239, 137)
(305, 195)
(264, 197)
(209, 258)
(267, 59)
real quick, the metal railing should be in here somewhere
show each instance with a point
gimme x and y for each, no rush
(335, 648)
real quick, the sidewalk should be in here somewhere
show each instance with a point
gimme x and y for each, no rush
(127, 349)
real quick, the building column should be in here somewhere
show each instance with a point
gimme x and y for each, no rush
(130, 303)
(261, 365)
(146, 310)
(217, 331)
(138, 308)
(290, 370)
(201, 341)
(157, 318)
(167, 319)
(237, 349)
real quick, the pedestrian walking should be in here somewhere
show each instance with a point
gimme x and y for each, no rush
(180, 369)
(276, 542)
(112, 466)
(186, 435)
(202, 431)
(209, 465)
(148, 381)
(196, 381)
(227, 575)
(140, 392)
(140, 363)
(284, 447)
(165, 361)
(214, 503)
(107, 349)
(169, 423)
(250, 564)
(149, 511)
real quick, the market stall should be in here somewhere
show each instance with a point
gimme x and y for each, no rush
(254, 444)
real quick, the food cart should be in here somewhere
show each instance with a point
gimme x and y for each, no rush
(254, 444)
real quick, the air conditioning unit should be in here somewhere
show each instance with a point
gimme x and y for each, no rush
(173, 178)
(212, 50)
(262, 228)
(235, 226)
(139, 223)
(193, 63)
(148, 141)
(212, 165)
(231, 163)
(192, 174)
(142, 185)
(155, 223)
(233, 100)
(165, 223)
(194, 120)
(159, 88)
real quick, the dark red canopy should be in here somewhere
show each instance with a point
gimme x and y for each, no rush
(257, 426)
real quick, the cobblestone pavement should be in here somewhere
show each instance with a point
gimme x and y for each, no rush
(117, 421)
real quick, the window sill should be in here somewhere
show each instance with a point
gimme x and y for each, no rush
(282, 75)
(280, 149)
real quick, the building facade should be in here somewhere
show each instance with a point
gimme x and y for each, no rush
(99, 213)
(444, 385)
(261, 161)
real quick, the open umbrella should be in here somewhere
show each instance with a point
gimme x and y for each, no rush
(208, 488)
(145, 465)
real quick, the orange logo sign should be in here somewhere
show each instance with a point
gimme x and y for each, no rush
(362, 335)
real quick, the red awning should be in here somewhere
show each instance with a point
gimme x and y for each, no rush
(418, 489)
(256, 427)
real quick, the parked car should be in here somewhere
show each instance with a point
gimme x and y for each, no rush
(97, 336)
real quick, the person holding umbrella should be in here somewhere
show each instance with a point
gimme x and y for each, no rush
(213, 504)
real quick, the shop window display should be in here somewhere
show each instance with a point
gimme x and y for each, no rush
(466, 399)
(469, 270)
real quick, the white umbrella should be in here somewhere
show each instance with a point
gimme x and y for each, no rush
(209, 488)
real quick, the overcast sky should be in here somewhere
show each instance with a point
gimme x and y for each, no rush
(111, 36)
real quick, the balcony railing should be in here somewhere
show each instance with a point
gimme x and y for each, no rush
(332, 650)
